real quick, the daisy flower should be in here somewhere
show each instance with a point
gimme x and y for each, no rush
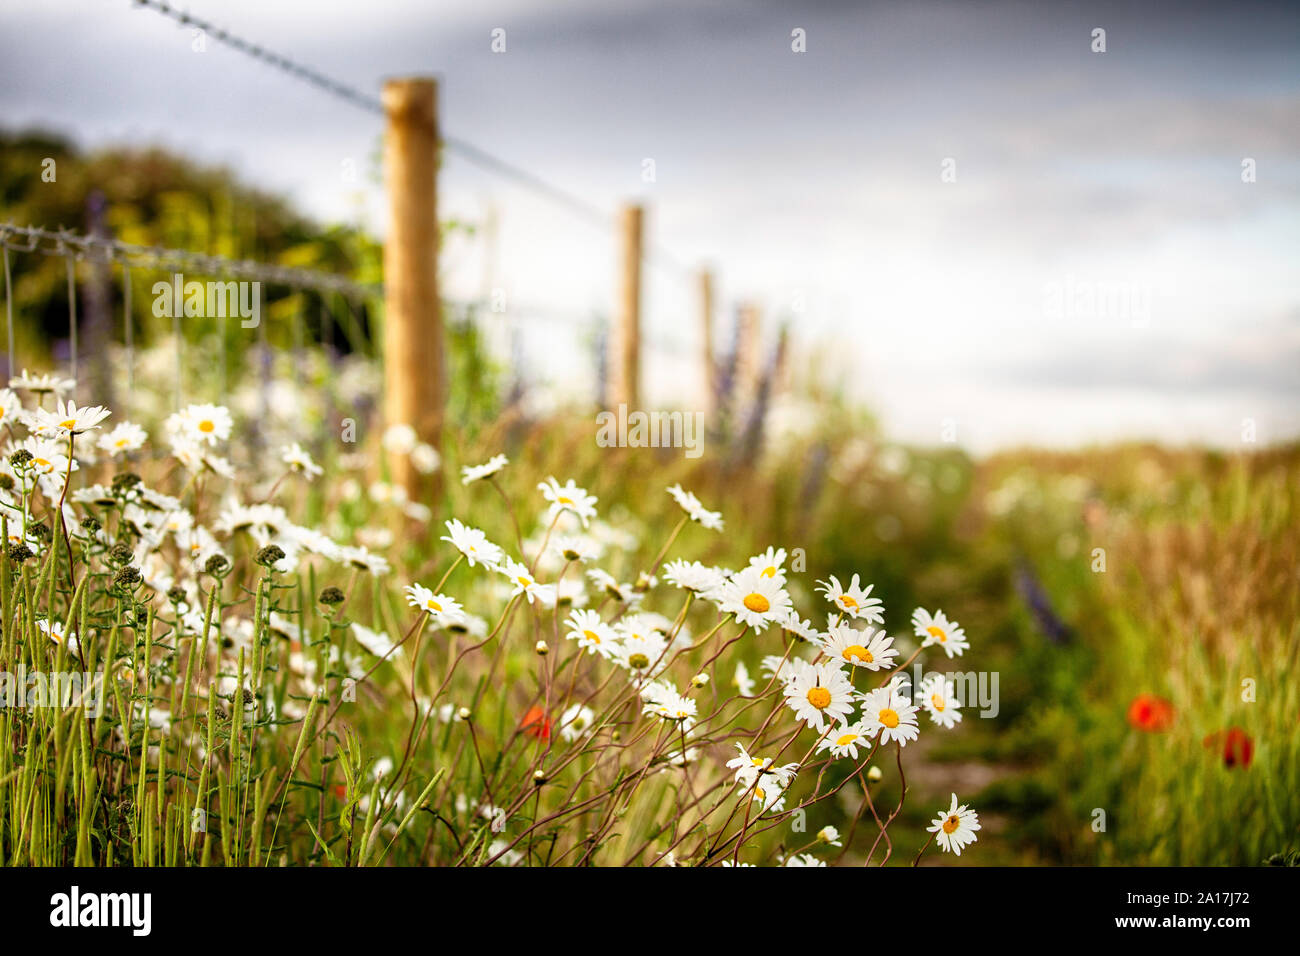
(399, 438)
(177, 522)
(940, 703)
(472, 473)
(748, 768)
(888, 712)
(854, 600)
(845, 741)
(523, 582)
(801, 628)
(374, 641)
(591, 633)
(743, 683)
(576, 547)
(206, 424)
(42, 384)
(691, 505)
(364, 560)
(300, 461)
(755, 599)
(567, 592)
(830, 836)
(68, 419)
(955, 827)
(441, 608)
(693, 576)
(472, 543)
(576, 720)
(768, 793)
(57, 633)
(47, 460)
(869, 649)
(194, 457)
(568, 497)
(667, 703)
(937, 629)
(773, 665)
(124, 437)
(818, 691)
(11, 407)
(804, 859)
(623, 593)
(769, 563)
(640, 648)
(425, 458)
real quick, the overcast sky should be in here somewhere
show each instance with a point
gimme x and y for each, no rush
(810, 178)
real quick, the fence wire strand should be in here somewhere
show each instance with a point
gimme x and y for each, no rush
(63, 242)
(485, 159)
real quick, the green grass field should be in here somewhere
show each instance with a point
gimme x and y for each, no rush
(248, 722)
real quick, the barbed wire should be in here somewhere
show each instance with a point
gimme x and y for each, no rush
(477, 155)
(64, 242)
(77, 247)
(334, 88)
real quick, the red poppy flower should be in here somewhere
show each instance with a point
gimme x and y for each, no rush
(536, 723)
(1150, 713)
(1236, 745)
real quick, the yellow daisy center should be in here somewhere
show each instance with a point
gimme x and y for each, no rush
(951, 823)
(889, 718)
(845, 740)
(564, 501)
(760, 795)
(768, 572)
(525, 581)
(757, 603)
(859, 652)
(848, 602)
(207, 425)
(67, 423)
(591, 636)
(937, 632)
(819, 697)
(638, 661)
(43, 462)
(937, 701)
(433, 605)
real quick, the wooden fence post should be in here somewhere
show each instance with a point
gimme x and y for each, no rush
(414, 384)
(706, 328)
(625, 337)
(748, 360)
